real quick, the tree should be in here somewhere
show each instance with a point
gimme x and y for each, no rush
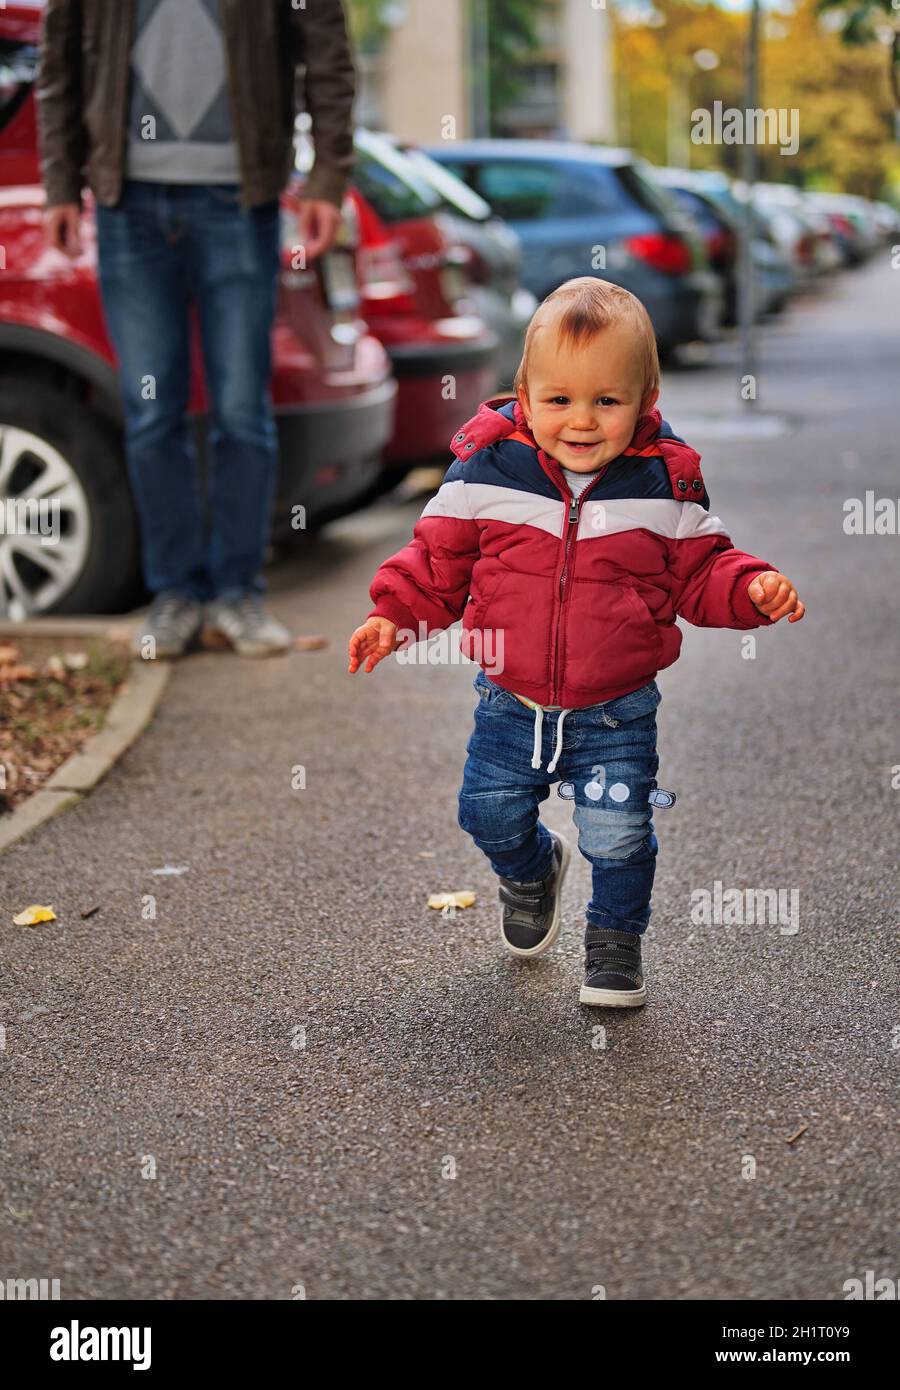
(867, 22)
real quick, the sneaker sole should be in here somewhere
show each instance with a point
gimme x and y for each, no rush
(613, 998)
(245, 648)
(556, 925)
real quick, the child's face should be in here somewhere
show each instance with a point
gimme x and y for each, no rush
(582, 404)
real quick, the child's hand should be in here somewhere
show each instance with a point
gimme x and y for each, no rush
(774, 594)
(372, 642)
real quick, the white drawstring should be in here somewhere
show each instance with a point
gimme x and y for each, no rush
(559, 739)
(538, 732)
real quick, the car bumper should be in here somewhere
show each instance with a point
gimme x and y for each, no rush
(420, 359)
(691, 309)
(331, 454)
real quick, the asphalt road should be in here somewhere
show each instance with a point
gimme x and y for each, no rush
(304, 1053)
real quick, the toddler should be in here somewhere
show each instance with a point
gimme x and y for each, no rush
(570, 532)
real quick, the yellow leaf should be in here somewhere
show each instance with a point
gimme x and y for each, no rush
(31, 916)
(462, 899)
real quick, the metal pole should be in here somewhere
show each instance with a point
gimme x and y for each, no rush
(478, 42)
(748, 391)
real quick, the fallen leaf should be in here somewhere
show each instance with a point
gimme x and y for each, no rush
(31, 916)
(17, 673)
(55, 667)
(8, 654)
(461, 899)
(76, 661)
(89, 911)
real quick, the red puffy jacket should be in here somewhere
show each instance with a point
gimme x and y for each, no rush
(582, 593)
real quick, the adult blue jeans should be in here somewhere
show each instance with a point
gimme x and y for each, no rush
(609, 754)
(163, 249)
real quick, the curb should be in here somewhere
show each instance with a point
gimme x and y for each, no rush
(127, 717)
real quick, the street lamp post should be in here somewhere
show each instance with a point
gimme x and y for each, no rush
(746, 294)
(478, 46)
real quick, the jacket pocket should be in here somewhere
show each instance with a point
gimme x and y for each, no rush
(492, 698)
(635, 705)
(610, 636)
(475, 611)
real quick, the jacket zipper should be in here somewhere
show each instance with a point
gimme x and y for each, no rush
(574, 514)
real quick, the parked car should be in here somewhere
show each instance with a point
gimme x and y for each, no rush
(60, 407)
(493, 259)
(796, 223)
(582, 209)
(412, 279)
(887, 220)
(855, 224)
(706, 195)
(793, 236)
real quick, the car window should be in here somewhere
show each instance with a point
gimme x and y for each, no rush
(645, 190)
(450, 184)
(18, 65)
(588, 188)
(518, 189)
(697, 207)
(394, 198)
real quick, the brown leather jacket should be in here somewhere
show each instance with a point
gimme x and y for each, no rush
(82, 95)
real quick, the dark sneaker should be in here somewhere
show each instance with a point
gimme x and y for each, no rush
(167, 631)
(247, 625)
(531, 913)
(613, 976)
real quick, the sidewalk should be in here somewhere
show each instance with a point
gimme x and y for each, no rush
(265, 1014)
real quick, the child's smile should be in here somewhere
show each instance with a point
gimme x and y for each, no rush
(582, 403)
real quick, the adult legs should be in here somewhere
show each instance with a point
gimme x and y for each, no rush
(234, 256)
(144, 281)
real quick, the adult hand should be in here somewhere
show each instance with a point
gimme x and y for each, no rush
(62, 224)
(317, 223)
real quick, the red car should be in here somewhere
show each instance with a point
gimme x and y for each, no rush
(446, 361)
(60, 409)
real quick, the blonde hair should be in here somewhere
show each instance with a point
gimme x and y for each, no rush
(582, 308)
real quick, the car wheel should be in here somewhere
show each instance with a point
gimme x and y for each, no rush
(68, 531)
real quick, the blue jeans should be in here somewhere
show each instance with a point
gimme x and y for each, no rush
(609, 753)
(162, 248)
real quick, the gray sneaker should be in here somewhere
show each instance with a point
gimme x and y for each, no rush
(531, 913)
(247, 625)
(167, 631)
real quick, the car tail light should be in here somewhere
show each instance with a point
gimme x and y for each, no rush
(664, 251)
(721, 246)
(384, 277)
(477, 270)
(806, 248)
(841, 224)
